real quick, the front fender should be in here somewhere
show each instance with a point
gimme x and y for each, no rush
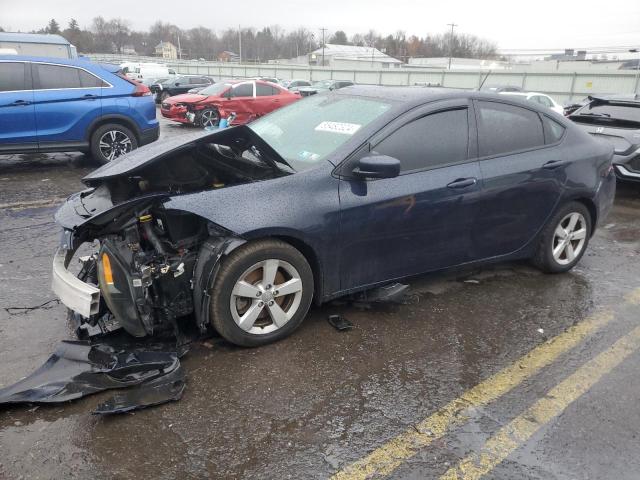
(207, 265)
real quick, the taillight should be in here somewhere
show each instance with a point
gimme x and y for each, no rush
(140, 90)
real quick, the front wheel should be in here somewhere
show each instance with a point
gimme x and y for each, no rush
(110, 141)
(209, 117)
(564, 240)
(261, 294)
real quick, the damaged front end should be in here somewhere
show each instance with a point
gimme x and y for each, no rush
(151, 265)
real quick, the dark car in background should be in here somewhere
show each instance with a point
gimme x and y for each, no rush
(324, 86)
(66, 105)
(295, 85)
(615, 119)
(178, 85)
(243, 228)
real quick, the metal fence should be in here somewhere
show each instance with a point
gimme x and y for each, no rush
(561, 85)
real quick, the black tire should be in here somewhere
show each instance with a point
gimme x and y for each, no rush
(120, 133)
(231, 270)
(202, 116)
(544, 258)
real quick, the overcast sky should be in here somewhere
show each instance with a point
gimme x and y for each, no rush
(541, 24)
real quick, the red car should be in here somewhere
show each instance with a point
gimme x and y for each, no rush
(247, 99)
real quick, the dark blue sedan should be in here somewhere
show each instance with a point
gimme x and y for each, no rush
(243, 228)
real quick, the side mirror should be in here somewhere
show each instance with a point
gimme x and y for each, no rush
(227, 94)
(177, 84)
(377, 166)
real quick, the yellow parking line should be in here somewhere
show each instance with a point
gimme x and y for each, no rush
(633, 297)
(518, 431)
(386, 458)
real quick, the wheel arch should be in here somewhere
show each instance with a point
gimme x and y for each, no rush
(115, 119)
(592, 209)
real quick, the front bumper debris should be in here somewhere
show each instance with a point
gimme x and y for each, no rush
(77, 295)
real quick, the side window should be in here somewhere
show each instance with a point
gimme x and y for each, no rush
(56, 76)
(553, 131)
(243, 90)
(428, 142)
(196, 80)
(506, 128)
(12, 77)
(263, 90)
(88, 80)
(545, 101)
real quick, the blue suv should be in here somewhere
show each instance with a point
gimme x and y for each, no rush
(58, 105)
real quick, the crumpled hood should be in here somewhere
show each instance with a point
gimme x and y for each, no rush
(187, 98)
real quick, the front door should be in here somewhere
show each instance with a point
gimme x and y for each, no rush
(421, 220)
(17, 114)
(240, 101)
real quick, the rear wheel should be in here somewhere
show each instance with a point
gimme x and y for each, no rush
(110, 141)
(261, 294)
(564, 240)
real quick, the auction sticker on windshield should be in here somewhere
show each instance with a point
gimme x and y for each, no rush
(338, 127)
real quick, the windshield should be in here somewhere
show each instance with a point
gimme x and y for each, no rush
(307, 131)
(215, 89)
(323, 83)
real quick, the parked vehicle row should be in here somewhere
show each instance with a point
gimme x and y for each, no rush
(55, 104)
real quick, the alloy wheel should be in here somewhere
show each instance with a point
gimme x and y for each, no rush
(569, 238)
(114, 143)
(209, 118)
(266, 296)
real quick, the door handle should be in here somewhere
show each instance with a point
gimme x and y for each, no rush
(463, 183)
(21, 102)
(90, 96)
(554, 164)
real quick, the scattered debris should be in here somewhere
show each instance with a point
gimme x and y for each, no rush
(77, 369)
(340, 323)
(394, 292)
(540, 330)
(476, 282)
(44, 306)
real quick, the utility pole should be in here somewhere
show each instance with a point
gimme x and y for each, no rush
(179, 49)
(240, 42)
(452, 25)
(323, 30)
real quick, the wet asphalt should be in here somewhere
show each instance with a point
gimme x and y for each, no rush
(320, 400)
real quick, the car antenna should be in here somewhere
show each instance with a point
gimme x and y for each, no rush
(484, 80)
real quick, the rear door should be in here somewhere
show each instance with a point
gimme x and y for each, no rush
(67, 99)
(523, 174)
(422, 219)
(17, 113)
(267, 98)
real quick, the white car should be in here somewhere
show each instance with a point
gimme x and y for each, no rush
(540, 98)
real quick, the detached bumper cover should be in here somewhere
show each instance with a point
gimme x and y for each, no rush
(73, 292)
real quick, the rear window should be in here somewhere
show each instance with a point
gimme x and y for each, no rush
(58, 76)
(506, 128)
(12, 77)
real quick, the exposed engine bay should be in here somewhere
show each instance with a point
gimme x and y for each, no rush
(147, 254)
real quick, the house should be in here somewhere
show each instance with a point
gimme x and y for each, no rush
(352, 56)
(167, 50)
(228, 56)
